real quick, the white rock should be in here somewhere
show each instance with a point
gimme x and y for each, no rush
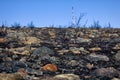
(66, 77)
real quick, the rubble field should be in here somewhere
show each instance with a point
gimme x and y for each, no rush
(59, 54)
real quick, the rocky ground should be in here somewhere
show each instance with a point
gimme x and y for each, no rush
(59, 54)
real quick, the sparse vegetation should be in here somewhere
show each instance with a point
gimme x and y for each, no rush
(16, 25)
(31, 25)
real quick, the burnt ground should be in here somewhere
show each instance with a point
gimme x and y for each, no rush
(89, 53)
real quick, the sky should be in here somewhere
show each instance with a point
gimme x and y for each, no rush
(59, 12)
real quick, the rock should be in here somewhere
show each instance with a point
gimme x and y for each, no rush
(34, 72)
(70, 33)
(92, 36)
(52, 34)
(20, 50)
(62, 51)
(95, 49)
(54, 60)
(42, 52)
(115, 40)
(97, 57)
(6, 66)
(117, 56)
(66, 77)
(83, 51)
(82, 40)
(108, 72)
(5, 59)
(3, 40)
(89, 66)
(74, 50)
(14, 76)
(73, 63)
(78, 34)
(49, 67)
(113, 35)
(19, 64)
(15, 36)
(116, 79)
(116, 47)
(31, 40)
(22, 38)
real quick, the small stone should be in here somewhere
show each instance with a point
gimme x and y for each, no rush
(19, 64)
(83, 51)
(108, 72)
(113, 35)
(34, 72)
(52, 34)
(3, 40)
(117, 56)
(97, 57)
(116, 47)
(20, 50)
(82, 40)
(73, 63)
(66, 77)
(87, 77)
(13, 76)
(95, 49)
(89, 66)
(62, 51)
(116, 79)
(32, 40)
(49, 67)
(74, 50)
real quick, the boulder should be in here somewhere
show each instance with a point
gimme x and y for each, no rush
(42, 52)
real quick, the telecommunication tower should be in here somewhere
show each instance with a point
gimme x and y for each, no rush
(73, 17)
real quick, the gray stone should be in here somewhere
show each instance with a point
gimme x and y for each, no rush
(108, 72)
(117, 56)
(73, 63)
(54, 60)
(82, 40)
(34, 72)
(97, 57)
(20, 64)
(42, 52)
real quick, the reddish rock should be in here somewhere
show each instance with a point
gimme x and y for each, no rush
(49, 67)
(2, 40)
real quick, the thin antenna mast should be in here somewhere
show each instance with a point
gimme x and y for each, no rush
(73, 17)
